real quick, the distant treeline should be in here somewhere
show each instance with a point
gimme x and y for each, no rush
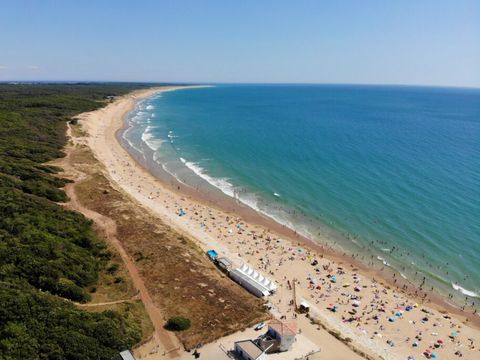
(48, 254)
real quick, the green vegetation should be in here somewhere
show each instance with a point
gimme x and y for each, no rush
(47, 253)
(41, 326)
(178, 323)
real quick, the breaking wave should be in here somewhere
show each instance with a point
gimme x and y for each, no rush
(220, 183)
(152, 142)
(465, 291)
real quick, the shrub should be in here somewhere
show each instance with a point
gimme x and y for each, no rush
(178, 323)
(112, 269)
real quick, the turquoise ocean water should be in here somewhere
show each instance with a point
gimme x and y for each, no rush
(390, 173)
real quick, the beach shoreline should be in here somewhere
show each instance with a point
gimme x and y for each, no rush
(106, 144)
(225, 203)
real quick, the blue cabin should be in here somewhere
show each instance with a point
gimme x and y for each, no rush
(212, 254)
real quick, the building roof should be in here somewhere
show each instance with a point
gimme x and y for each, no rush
(283, 327)
(212, 253)
(225, 261)
(250, 348)
(253, 274)
(242, 278)
(126, 355)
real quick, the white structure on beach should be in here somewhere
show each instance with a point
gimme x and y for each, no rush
(253, 281)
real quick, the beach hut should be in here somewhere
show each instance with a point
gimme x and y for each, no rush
(304, 307)
(245, 281)
(253, 281)
(212, 254)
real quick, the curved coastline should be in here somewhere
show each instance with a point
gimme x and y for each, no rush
(116, 153)
(227, 203)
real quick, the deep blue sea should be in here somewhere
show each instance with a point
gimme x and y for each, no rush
(389, 172)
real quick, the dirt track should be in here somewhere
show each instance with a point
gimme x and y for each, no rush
(167, 343)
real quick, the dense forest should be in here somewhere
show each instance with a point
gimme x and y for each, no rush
(48, 255)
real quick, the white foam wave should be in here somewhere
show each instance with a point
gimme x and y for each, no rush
(249, 199)
(152, 142)
(150, 107)
(138, 117)
(164, 167)
(130, 143)
(276, 194)
(383, 261)
(465, 291)
(220, 183)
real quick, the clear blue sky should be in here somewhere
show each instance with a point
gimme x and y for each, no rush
(430, 42)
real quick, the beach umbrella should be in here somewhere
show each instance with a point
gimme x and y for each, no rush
(454, 334)
(346, 285)
(391, 319)
(433, 355)
(439, 341)
(398, 314)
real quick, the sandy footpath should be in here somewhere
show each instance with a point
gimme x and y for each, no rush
(379, 319)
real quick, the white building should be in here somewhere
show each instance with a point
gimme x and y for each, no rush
(253, 281)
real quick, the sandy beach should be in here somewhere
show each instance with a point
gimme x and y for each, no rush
(382, 318)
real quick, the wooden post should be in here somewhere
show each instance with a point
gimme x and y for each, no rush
(294, 294)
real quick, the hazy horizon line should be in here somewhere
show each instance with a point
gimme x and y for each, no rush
(232, 83)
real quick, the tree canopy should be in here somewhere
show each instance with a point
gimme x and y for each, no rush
(48, 254)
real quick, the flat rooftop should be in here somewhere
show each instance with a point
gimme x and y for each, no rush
(249, 347)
